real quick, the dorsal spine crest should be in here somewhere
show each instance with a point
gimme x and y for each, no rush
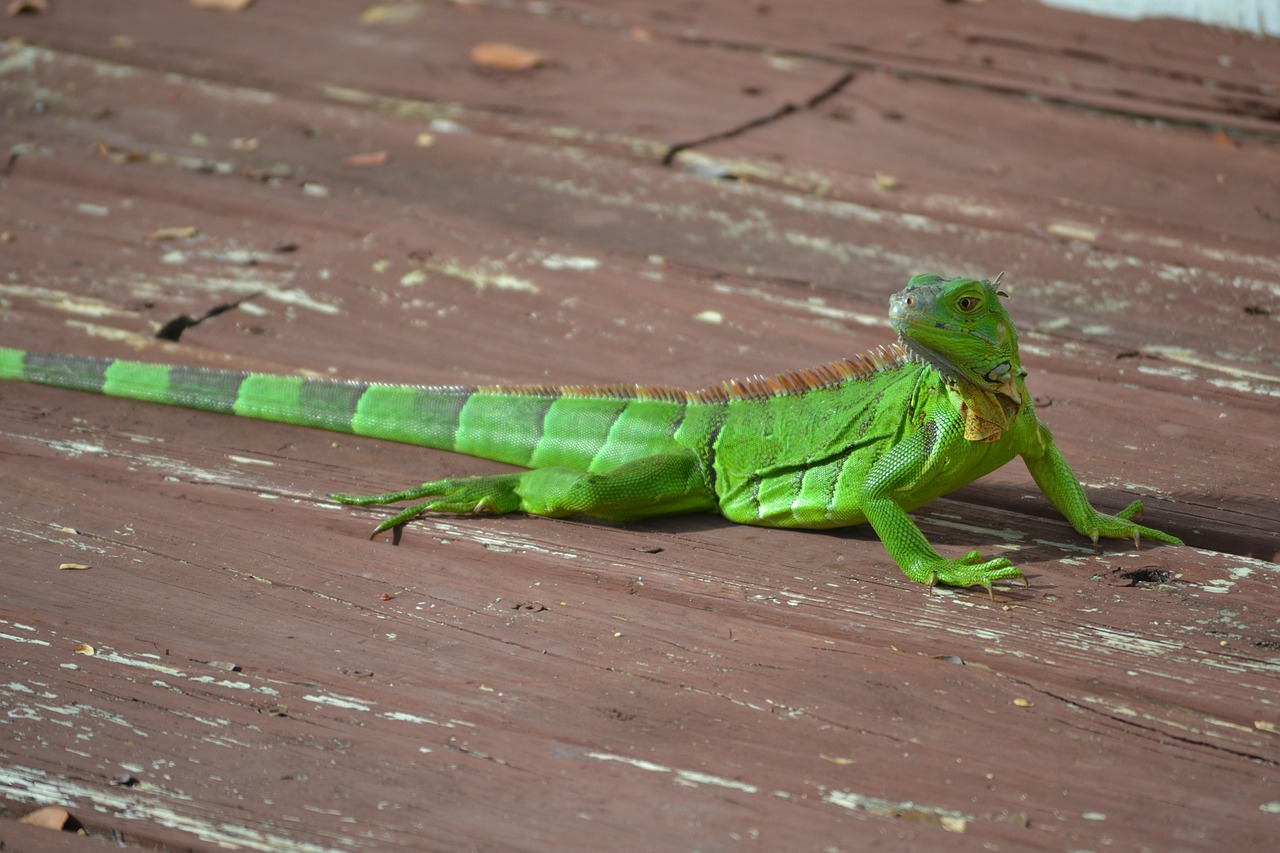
(759, 387)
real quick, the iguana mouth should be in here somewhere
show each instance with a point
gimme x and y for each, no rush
(921, 354)
(1000, 377)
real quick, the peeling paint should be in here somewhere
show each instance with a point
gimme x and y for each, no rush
(1009, 535)
(811, 306)
(1130, 642)
(64, 301)
(564, 262)
(399, 107)
(29, 640)
(1247, 564)
(692, 777)
(494, 541)
(1185, 355)
(948, 819)
(125, 660)
(345, 702)
(171, 466)
(484, 275)
(110, 333)
(152, 804)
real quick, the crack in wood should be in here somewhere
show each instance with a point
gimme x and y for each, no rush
(778, 114)
(1162, 735)
(1147, 69)
(1243, 117)
(172, 330)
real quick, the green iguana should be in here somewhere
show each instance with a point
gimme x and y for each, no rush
(863, 439)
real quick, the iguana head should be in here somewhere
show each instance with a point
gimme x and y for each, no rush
(959, 328)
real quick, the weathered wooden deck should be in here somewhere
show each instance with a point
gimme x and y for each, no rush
(265, 678)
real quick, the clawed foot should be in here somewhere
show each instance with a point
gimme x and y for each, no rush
(969, 570)
(460, 495)
(1123, 525)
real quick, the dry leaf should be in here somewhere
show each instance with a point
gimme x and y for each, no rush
(85, 649)
(368, 159)
(1224, 139)
(30, 7)
(885, 182)
(227, 666)
(505, 57)
(117, 156)
(176, 232)
(74, 567)
(1073, 231)
(49, 817)
(222, 5)
(397, 13)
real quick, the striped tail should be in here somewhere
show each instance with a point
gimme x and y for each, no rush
(581, 427)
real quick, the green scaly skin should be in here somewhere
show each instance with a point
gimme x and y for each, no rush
(860, 440)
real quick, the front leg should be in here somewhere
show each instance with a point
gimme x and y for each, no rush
(898, 475)
(1054, 477)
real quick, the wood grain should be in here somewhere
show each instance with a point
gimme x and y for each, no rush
(265, 678)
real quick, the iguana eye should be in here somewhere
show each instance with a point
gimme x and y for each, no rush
(967, 303)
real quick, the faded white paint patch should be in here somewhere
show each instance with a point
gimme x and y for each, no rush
(566, 262)
(812, 306)
(151, 804)
(688, 777)
(485, 275)
(346, 702)
(14, 639)
(1130, 642)
(1074, 231)
(948, 819)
